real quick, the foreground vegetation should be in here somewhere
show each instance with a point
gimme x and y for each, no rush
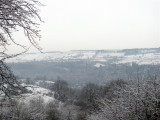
(116, 100)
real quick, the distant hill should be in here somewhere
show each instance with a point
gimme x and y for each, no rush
(139, 56)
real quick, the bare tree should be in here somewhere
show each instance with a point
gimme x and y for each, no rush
(16, 15)
(61, 90)
(133, 102)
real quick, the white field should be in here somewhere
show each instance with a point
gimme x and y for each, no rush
(36, 92)
(143, 57)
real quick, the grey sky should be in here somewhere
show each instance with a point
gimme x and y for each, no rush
(99, 24)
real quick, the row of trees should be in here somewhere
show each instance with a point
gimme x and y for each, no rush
(34, 109)
(134, 102)
(87, 99)
(117, 100)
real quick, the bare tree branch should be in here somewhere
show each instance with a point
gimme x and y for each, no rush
(16, 15)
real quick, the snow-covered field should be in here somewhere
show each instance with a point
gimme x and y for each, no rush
(36, 91)
(148, 58)
(143, 56)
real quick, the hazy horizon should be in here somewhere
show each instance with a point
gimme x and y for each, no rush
(43, 51)
(91, 24)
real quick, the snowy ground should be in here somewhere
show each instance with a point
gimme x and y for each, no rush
(144, 56)
(36, 91)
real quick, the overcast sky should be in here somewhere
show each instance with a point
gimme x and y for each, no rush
(99, 24)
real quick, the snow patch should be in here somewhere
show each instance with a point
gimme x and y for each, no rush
(97, 65)
(36, 91)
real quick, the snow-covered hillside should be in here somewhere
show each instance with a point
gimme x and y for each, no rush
(35, 91)
(139, 56)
